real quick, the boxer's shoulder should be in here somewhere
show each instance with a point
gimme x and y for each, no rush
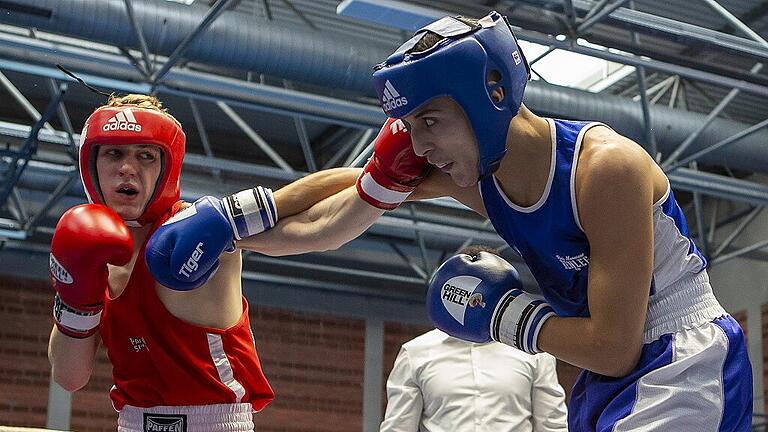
(607, 156)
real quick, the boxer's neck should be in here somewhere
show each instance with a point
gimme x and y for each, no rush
(528, 135)
(140, 234)
(524, 170)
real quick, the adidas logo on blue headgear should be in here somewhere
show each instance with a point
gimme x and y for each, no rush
(408, 80)
(391, 98)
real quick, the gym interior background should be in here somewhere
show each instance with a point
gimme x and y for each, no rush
(269, 90)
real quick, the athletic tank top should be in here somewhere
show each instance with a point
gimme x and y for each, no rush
(550, 239)
(158, 359)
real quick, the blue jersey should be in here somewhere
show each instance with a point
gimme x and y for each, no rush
(549, 236)
(693, 372)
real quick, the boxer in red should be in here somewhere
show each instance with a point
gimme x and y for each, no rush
(179, 341)
(184, 360)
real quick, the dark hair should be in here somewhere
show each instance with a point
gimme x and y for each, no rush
(430, 39)
(474, 250)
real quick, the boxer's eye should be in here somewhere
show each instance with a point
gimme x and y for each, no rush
(428, 121)
(148, 156)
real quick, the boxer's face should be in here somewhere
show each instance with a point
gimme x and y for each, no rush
(441, 132)
(127, 176)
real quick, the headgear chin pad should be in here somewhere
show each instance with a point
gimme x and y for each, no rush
(467, 66)
(126, 125)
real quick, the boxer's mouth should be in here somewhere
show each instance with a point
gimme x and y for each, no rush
(127, 190)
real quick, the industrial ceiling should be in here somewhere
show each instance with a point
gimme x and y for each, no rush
(269, 90)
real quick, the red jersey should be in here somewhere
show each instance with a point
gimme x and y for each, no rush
(158, 359)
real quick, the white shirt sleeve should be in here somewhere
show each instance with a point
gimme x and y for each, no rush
(548, 397)
(404, 401)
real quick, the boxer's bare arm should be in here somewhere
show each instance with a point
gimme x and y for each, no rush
(336, 220)
(390, 174)
(326, 225)
(439, 184)
(71, 359)
(303, 193)
(615, 189)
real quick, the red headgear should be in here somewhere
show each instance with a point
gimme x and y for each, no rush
(130, 124)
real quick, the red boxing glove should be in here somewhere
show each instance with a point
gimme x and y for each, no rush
(394, 170)
(86, 239)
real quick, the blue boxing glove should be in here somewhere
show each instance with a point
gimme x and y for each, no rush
(184, 251)
(480, 298)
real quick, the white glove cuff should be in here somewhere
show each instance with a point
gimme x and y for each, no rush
(381, 193)
(73, 319)
(518, 319)
(251, 211)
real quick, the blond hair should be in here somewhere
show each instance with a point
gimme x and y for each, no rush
(139, 100)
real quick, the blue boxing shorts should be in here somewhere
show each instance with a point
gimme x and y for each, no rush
(693, 374)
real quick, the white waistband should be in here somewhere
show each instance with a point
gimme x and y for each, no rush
(684, 304)
(236, 417)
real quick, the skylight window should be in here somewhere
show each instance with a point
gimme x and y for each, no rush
(574, 70)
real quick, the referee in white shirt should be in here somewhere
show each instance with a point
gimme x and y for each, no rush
(443, 384)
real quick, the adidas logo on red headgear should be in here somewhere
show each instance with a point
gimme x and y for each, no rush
(124, 121)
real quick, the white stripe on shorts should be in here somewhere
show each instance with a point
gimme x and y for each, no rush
(226, 374)
(687, 394)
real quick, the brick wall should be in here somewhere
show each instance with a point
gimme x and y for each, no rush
(91, 407)
(314, 363)
(25, 324)
(741, 318)
(315, 366)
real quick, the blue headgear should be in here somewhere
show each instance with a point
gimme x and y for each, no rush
(458, 67)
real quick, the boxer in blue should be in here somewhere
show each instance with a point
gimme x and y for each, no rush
(626, 294)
